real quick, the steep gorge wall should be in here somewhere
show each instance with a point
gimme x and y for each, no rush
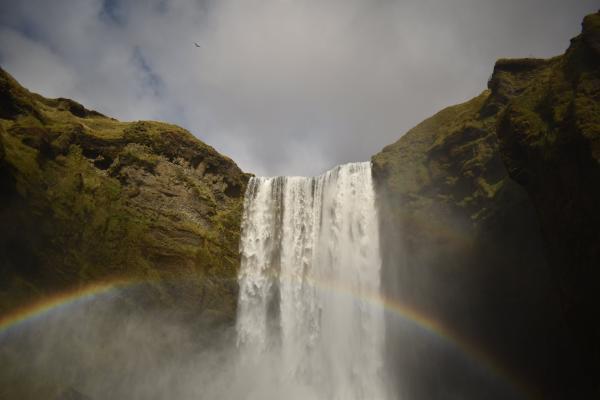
(87, 199)
(490, 220)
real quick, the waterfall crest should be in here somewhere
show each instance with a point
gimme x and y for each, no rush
(309, 273)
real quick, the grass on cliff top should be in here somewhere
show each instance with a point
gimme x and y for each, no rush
(60, 114)
(405, 161)
(441, 124)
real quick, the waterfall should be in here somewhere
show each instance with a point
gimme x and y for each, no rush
(309, 283)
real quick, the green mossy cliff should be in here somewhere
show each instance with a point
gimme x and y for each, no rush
(491, 219)
(86, 199)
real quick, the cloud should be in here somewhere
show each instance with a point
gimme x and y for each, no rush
(18, 51)
(281, 86)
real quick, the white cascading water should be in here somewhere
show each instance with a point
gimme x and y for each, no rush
(309, 276)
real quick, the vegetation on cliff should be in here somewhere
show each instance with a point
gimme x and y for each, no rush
(497, 201)
(85, 198)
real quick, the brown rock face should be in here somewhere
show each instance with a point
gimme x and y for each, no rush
(87, 199)
(490, 224)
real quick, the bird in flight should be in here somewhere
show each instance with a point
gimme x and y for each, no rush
(196, 44)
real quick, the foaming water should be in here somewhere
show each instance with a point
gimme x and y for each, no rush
(301, 236)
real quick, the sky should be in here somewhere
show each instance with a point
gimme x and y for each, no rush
(283, 87)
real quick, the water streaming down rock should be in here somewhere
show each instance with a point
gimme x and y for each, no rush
(310, 270)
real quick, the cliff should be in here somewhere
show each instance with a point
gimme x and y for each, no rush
(87, 199)
(490, 218)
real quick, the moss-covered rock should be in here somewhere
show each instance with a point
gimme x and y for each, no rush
(86, 198)
(490, 218)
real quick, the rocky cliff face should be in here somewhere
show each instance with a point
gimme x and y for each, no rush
(491, 221)
(85, 198)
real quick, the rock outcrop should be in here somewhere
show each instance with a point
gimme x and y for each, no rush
(85, 198)
(490, 218)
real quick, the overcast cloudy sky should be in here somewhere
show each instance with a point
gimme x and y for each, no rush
(280, 86)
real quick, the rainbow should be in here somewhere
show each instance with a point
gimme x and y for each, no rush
(465, 347)
(406, 312)
(60, 300)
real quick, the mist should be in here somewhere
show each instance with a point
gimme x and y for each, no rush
(97, 348)
(103, 348)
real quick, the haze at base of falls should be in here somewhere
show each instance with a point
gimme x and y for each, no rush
(310, 264)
